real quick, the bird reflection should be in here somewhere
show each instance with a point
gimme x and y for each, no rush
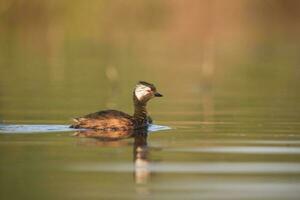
(140, 157)
(116, 138)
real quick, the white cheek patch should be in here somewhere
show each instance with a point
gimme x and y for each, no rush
(141, 91)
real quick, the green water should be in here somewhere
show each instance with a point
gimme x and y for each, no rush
(235, 146)
(231, 98)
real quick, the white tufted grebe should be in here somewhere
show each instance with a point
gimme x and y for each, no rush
(109, 120)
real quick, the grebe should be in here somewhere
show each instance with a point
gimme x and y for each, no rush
(113, 120)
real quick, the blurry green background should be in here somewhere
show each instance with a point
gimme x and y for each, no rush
(64, 58)
(230, 75)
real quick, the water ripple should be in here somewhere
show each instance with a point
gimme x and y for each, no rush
(241, 150)
(48, 128)
(217, 167)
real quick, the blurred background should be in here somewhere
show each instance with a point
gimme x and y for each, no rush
(59, 58)
(229, 72)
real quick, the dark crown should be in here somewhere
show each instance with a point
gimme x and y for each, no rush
(150, 85)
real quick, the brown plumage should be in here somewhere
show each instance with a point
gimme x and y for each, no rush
(113, 120)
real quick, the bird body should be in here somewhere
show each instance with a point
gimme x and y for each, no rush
(106, 120)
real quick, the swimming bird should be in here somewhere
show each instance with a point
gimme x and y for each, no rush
(114, 120)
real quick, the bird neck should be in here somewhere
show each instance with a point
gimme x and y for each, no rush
(140, 111)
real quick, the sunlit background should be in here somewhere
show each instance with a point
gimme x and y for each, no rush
(229, 71)
(79, 56)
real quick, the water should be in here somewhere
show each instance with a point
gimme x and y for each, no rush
(242, 153)
(231, 99)
(47, 128)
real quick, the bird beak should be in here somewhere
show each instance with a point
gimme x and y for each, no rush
(156, 94)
